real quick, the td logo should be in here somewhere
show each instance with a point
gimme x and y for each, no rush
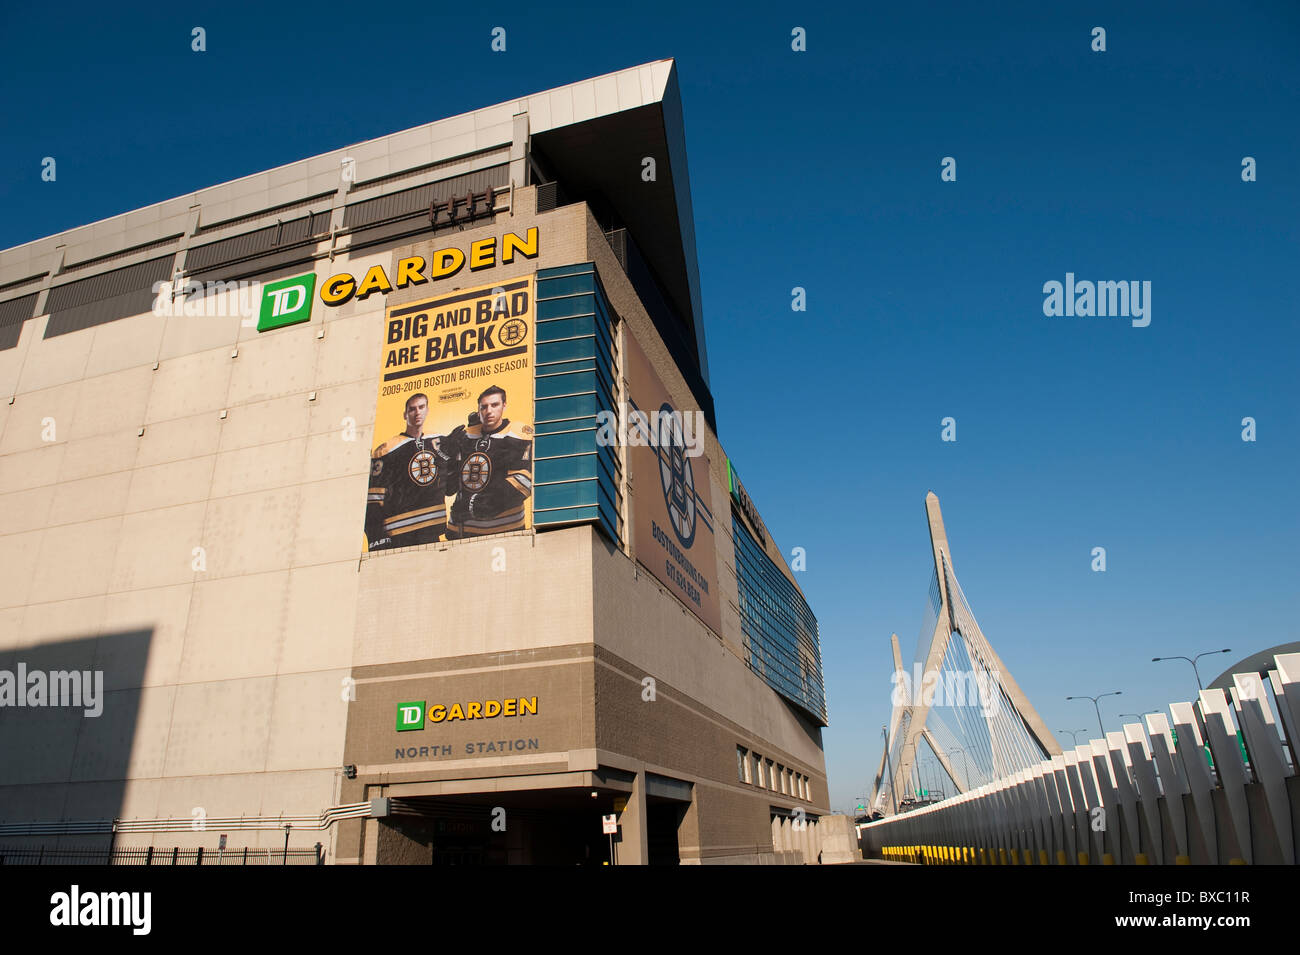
(286, 302)
(410, 716)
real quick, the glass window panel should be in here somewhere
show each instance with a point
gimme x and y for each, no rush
(575, 383)
(564, 469)
(584, 423)
(777, 626)
(569, 285)
(564, 515)
(565, 307)
(562, 270)
(566, 495)
(607, 497)
(553, 445)
(611, 517)
(572, 406)
(564, 367)
(566, 350)
(565, 328)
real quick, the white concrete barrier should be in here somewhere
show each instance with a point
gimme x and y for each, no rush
(1214, 782)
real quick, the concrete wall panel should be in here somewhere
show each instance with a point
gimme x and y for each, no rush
(109, 403)
(75, 560)
(235, 628)
(320, 607)
(155, 548)
(220, 727)
(160, 612)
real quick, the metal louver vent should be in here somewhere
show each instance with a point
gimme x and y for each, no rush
(12, 315)
(105, 298)
(410, 203)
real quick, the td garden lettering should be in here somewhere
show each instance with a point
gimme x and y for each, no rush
(416, 270)
(412, 715)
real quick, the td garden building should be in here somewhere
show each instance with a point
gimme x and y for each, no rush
(376, 501)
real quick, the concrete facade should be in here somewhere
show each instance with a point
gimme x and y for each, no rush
(181, 508)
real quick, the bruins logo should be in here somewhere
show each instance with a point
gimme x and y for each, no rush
(476, 471)
(512, 332)
(423, 468)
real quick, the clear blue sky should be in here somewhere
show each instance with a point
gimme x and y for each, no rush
(822, 170)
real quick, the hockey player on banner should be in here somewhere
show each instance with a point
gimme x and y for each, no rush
(409, 476)
(491, 470)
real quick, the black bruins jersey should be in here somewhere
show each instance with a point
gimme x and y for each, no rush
(407, 501)
(491, 476)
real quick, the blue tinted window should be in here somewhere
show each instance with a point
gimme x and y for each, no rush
(566, 350)
(564, 367)
(576, 480)
(584, 423)
(576, 442)
(779, 630)
(566, 495)
(561, 270)
(571, 407)
(576, 383)
(565, 469)
(566, 307)
(563, 515)
(566, 328)
(572, 285)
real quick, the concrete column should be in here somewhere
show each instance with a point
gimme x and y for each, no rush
(776, 834)
(804, 843)
(370, 840)
(634, 835)
(395, 845)
(519, 151)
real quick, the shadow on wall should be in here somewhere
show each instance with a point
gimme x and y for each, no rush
(69, 715)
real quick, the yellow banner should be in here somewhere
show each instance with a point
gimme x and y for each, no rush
(453, 456)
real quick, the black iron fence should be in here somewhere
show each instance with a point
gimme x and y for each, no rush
(160, 855)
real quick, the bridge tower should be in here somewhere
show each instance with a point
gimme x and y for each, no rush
(958, 703)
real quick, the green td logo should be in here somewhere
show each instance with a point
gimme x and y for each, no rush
(410, 716)
(286, 302)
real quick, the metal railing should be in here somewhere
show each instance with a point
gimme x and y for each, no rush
(155, 855)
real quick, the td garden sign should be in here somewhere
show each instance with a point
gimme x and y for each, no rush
(412, 715)
(288, 301)
(442, 263)
(416, 714)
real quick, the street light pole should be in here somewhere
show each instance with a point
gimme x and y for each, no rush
(1097, 707)
(1074, 735)
(1138, 716)
(965, 764)
(1192, 661)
